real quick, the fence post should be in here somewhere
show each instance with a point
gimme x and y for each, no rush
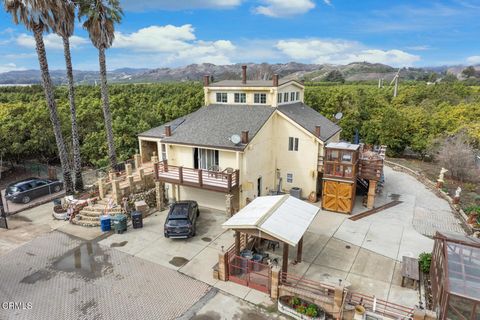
(338, 298)
(117, 193)
(223, 266)
(154, 157)
(229, 181)
(101, 188)
(155, 169)
(131, 183)
(138, 161)
(200, 177)
(275, 282)
(165, 165)
(128, 169)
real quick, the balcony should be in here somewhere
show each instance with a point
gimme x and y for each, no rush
(221, 181)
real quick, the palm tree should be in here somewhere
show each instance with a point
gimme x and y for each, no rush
(64, 26)
(38, 17)
(100, 18)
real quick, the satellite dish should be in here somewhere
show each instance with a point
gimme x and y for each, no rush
(338, 115)
(235, 139)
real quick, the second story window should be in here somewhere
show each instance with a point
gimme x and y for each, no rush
(260, 98)
(240, 98)
(297, 95)
(292, 144)
(279, 98)
(292, 96)
(222, 97)
(164, 152)
(285, 97)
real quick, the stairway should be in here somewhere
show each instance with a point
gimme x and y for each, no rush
(89, 216)
(362, 184)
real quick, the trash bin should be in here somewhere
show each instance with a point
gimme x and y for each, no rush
(120, 223)
(57, 202)
(247, 255)
(257, 258)
(137, 220)
(105, 223)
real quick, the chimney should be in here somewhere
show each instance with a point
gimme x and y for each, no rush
(244, 137)
(168, 131)
(275, 80)
(206, 81)
(244, 74)
(317, 131)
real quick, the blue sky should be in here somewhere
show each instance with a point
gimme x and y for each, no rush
(166, 33)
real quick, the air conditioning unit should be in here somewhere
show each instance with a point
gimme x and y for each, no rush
(296, 192)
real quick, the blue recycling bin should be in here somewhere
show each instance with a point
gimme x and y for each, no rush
(105, 223)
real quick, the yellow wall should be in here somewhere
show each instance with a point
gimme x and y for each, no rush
(211, 98)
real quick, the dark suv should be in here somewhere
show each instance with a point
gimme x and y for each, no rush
(28, 189)
(181, 220)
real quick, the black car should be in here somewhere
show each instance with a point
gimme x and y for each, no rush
(28, 189)
(181, 220)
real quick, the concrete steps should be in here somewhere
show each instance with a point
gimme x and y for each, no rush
(89, 216)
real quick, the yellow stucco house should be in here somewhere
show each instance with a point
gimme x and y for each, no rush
(252, 138)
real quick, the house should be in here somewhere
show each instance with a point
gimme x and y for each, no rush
(252, 138)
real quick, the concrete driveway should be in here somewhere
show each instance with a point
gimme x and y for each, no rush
(11, 207)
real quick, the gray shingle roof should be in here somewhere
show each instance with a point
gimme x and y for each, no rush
(213, 125)
(309, 118)
(250, 83)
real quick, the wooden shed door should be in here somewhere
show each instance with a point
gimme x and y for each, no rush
(337, 196)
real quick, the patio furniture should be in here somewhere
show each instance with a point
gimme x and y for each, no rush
(410, 270)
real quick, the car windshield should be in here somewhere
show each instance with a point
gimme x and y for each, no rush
(178, 222)
(12, 189)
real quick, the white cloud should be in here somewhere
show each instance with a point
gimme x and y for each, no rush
(328, 2)
(9, 67)
(142, 5)
(175, 45)
(51, 40)
(473, 60)
(419, 48)
(342, 52)
(284, 8)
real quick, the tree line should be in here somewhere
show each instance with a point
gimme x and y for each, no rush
(98, 17)
(418, 118)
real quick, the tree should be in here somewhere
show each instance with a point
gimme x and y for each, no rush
(64, 26)
(100, 18)
(335, 76)
(38, 16)
(449, 77)
(457, 156)
(469, 72)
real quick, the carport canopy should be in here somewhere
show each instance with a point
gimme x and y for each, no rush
(283, 218)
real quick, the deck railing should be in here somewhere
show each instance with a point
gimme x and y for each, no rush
(198, 178)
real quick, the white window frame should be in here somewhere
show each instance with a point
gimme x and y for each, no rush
(163, 149)
(260, 98)
(292, 96)
(222, 97)
(285, 97)
(289, 177)
(293, 144)
(297, 96)
(240, 97)
(279, 97)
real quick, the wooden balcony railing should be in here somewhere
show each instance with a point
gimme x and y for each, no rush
(197, 178)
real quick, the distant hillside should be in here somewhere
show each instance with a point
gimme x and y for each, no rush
(357, 71)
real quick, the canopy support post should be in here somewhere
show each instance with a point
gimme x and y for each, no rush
(285, 258)
(237, 243)
(299, 250)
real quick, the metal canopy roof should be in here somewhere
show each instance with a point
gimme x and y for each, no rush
(283, 217)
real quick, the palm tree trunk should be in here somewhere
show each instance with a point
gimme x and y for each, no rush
(106, 109)
(52, 107)
(77, 160)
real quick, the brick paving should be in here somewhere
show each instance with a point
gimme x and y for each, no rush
(67, 278)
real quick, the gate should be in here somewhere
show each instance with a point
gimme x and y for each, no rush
(249, 273)
(338, 196)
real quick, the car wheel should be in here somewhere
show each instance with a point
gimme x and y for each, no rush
(26, 199)
(57, 188)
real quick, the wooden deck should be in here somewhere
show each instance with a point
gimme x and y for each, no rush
(197, 178)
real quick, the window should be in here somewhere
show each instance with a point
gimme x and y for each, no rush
(297, 95)
(292, 96)
(206, 159)
(260, 98)
(279, 98)
(289, 177)
(222, 97)
(292, 144)
(240, 98)
(164, 152)
(285, 97)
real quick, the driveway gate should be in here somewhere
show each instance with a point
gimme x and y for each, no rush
(249, 273)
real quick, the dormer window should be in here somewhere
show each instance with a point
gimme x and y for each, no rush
(279, 98)
(260, 98)
(292, 96)
(297, 95)
(240, 97)
(222, 97)
(285, 97)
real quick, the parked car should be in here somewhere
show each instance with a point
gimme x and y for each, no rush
(26, 190)
(181, 220)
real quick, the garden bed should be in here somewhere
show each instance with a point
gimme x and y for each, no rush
(300, 309)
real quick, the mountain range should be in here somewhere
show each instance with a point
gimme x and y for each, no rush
(357, 71)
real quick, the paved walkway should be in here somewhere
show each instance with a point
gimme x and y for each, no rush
(67, 278)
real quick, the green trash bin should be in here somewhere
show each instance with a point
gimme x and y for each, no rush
(120, 223)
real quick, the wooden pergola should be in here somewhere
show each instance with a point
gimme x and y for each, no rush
(277, 218)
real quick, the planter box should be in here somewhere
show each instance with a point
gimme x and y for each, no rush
(286, 309)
